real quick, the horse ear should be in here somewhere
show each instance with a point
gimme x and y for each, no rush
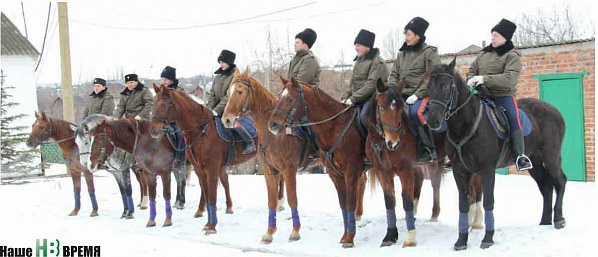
(156, 88)
(73, 127)
(246, 72)
(294, 82)
(401, 85)
(36, 115)
(44, 116)
(380, 85)
(451, 66)
(237, 73)
(283, 80)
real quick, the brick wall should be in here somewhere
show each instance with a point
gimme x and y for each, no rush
(564, 58)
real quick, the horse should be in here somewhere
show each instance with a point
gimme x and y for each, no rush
(154, 155)
(340, 142)
(280, 155)
(475, 149)
(63, 134)
(119, 168)
(204, 148)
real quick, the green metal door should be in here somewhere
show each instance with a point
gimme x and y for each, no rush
(565, 92)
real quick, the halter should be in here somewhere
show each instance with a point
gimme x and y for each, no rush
(102, 155)
(47, 132)
(380, 126)
(243, 112)
(291, 113)
(165, 119)
(449, 105)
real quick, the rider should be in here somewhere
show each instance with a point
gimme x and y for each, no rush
(101, 101)
(304, 66)
(169, 80)
(218, 96)
(368, 68)
(495, 73)
(414, 58)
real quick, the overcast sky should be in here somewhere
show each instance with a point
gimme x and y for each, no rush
(145, 36)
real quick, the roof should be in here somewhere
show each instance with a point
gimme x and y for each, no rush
(473, 49)
(13, 42)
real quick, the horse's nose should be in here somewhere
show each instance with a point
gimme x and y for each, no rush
(228, 122)
(391, 145)
(274, 127)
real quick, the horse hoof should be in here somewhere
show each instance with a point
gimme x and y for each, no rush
(560, 224)
(130, 216)
(409, 244)
(198, 215)
(348, 245)
(266, 239)
(74, 213)
(210, 231)
(150, 224)
(94, 213)
(167, 222)
(143, 208)
(387, 243)
(477, 227)
(358, 218)
(280, 208)
(434, 219)
(486, 245)
(295, 236)
(460, 247)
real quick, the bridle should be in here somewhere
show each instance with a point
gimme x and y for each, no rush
(45, 133)
(243, 112)
(380, 126)
(291, 113)
(450, 104)
(165, 119)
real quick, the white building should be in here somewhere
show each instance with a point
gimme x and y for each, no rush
(19, 58)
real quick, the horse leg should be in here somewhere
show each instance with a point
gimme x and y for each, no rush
(386, 180)
(363, 179)
(408, 191)
(76, 176)
(143, 199)
(290, 179)
(150, 179)
(559, 180)
(339, 184)
(475, 204)
(280, 206)
(229, 201)
(463, 181)
(488, 189)
(272, 180)
(201, 177)
(121, 187)
(418, 182)
(126, 178)
(351, 184)
(180, 184)
(212, 190)
(435, 178)
(166, 193)
(92, 192)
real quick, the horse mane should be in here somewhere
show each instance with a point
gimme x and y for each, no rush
(260, 93)
(120, 126)
(60, 126)
(327, 100)
(91, 121)
(195, 104)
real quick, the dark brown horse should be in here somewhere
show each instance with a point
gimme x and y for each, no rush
(392, 149)
(280, 155)
(475, 149)
(155, 156)
(204, 148)
(63, 133)
(340, 142)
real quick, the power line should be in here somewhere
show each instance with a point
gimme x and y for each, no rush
(24, 21)
(45, 34)
(194, 26)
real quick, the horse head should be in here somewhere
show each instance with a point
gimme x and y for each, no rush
(443, 93)
(163, 111)
(83, 135)
(41, 130)
(389, 113)
(288, 111)
(239, 98)
(101, 146)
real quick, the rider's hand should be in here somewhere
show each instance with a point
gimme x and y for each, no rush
(347, 101)
(214, 113)
(475, 80)
(411, 100)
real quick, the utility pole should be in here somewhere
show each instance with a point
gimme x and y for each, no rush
(68, 111)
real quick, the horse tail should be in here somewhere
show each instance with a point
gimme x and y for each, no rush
(373, 178)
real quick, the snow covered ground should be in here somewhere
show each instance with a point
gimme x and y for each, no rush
(39, 208)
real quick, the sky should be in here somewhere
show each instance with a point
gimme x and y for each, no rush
(144, 36)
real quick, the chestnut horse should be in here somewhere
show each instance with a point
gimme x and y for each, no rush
(475, 149)
(392, 148)
(155, 156)
(63, 133)
(280, 155)
(341, 143)
(204, 148)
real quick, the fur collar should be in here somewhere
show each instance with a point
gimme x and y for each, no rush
(228, 71)
(501, 50)
(417, 46)
(370, 55)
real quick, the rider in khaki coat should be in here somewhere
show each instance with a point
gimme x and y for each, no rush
(304, 66)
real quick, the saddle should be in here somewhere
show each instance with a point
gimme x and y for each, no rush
(500, 124)
(232, 138)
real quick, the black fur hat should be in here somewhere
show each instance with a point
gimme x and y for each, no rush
(308, 36)
(131, 77)
(99, 81)
(169, 73)
(227, 57)
(418, 25)
(366, 38)
(506, 28)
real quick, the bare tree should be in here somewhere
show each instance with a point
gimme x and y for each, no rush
(392, 43)
(550, 26)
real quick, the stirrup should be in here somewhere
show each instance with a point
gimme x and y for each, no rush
(523, 158)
